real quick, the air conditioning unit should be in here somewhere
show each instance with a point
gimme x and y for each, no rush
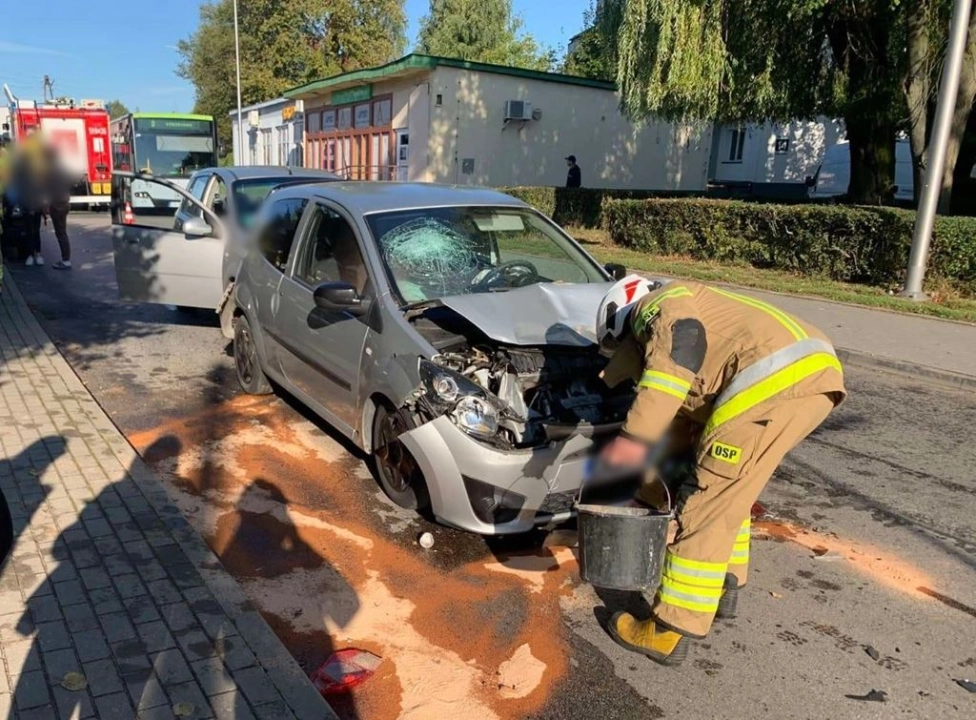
(253, 118)
(518, 110)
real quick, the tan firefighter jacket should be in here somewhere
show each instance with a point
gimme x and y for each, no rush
(716, 358)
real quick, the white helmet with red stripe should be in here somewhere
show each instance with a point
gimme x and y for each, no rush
(611, 318)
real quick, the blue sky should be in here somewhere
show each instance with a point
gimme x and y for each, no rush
(126, 49)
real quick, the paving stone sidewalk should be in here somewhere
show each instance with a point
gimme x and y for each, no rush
(111, 605)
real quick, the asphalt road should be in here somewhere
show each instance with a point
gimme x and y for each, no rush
(868, 540)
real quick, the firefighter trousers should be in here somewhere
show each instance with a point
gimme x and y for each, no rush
(714, 511)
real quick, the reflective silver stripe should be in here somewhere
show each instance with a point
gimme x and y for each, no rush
(772, 364)
(666, 591)
(679, 572)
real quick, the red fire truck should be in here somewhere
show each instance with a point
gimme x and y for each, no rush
(79, 133)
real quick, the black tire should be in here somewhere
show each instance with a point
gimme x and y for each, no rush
(396, 470)
(246, 361)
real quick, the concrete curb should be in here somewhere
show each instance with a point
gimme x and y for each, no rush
(281, 668)
(856, 358)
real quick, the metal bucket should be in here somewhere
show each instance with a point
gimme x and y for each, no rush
(622, 548)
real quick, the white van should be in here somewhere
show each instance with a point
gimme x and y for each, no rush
(834, 174)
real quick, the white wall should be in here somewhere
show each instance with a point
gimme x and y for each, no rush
(807, 142)
(270, 118)
(576, 120)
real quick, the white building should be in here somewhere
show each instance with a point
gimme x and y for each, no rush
(774, 159)
(273, 133)
(431, 119)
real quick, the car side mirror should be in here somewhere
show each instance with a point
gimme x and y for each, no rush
(616, 270)
(810, 182)
(339, 297)
(196, 227)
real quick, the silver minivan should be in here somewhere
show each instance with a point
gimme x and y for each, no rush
(447, 332)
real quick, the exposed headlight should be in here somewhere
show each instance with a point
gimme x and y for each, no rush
(476, 416)
(466, 402)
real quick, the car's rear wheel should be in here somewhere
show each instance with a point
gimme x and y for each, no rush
(246, 361)
(397, 471)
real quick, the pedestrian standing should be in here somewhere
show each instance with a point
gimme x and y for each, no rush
(28, 181)
(59, 203)
(574, 178)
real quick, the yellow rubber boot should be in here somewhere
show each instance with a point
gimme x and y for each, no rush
(645, 637)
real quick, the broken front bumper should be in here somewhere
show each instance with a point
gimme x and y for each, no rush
(466, 477)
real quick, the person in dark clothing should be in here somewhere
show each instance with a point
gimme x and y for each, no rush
(27, 182)
(574, 178)
(59, 203)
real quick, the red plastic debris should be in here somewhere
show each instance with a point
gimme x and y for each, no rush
(758, 510)
(344, 670)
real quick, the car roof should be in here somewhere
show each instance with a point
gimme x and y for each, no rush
(254, 172)
(370, 197)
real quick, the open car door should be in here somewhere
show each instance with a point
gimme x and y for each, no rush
(155, 263)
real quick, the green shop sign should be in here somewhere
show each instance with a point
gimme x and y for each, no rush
(352, 95)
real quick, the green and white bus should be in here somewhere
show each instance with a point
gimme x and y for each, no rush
(167, 145)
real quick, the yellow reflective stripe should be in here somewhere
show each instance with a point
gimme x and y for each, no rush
(664, 386)
(694, 601)
(695, 572)
(773, 385)
(674, 379)
(739, 559)
(670, 384)
(785, 320)
(648, 313)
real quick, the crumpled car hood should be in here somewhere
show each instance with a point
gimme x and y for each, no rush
(541, 314)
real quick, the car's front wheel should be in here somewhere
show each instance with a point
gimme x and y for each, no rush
(246, 361)
(397, 471)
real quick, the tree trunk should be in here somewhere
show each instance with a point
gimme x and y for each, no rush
(918, 86)
(963, 185)
(960, 118)
(872, 145)
(859, 37)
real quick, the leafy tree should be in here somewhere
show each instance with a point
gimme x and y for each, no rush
(284, 43)
(481, 31)
(116, 109)
(593, 54)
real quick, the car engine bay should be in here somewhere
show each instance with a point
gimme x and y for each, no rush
(514, 396)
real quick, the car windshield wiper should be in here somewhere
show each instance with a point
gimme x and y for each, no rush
(417, 308)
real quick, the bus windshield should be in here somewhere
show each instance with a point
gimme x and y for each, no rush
(173, 155)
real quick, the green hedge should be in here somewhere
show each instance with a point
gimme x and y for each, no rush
(579, 207)
(855, 244)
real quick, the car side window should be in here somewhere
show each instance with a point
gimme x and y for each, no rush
(196, 189)
(278, 234)
(218, 201)
(332, 252)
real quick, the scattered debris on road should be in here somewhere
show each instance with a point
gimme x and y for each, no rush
(344, 670)
(74, 681)
(967, 685)
(776, 595)
(873, 696)
(872, 652)
(825, 555)
(426, 540)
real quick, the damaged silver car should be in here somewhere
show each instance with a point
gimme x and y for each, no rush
(447, 332)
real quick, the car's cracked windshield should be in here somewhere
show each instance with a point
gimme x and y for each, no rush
(431, 253)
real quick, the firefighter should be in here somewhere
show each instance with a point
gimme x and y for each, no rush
(733, 381)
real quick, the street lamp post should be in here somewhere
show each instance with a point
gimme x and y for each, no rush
(948, 90)
(237, 59)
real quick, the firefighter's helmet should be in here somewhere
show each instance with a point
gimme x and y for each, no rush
(611, 318)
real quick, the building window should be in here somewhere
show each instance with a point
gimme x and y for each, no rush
(362, 116)
(284, 143)
(382, 113)
(440, 100)
(252, 142)
(328, 121)
(314, 122)
(266, 147)
(344, 120)
(737, 141)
